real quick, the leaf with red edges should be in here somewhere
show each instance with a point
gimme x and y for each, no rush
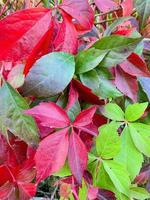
(79, 10)
(51, 154)
(77, 156)
(105, 5)
(50, 115)
(25, 26)
(85, 117)
(126, 83)
(135, 66)
(66, 39)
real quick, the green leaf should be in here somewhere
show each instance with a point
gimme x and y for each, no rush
(12, 105)
(114, 25)
(143, 8)
(135, 111)
(64, 171)
(118, 49)
(118, 175)
(113, 111)
(88, 60)
(50, 75)
(108, 141)
(103, 180)
(90, 79)
(83, 191)
(139, 193)
(107, 89)
(129, 156)
(141, 139)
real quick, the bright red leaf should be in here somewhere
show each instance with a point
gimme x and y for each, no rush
(51, 154)
(50, 115)
(20, 33)
(77, 156)
(81, 11)
(66, 39)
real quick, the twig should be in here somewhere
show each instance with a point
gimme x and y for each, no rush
(4, 8)
(104, 21)
(106, 13)
(54, 192)
(38, 3)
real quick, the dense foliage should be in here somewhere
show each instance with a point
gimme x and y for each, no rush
(74, 99)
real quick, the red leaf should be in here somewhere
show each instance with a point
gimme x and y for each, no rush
(50, 115)
(86, 93)
(127, 6)
(7, 192)
(135, 66)
(77, 156)
(79, 10)
(51, 154)
(127, 84)
(20, 33)
(66, 39)
(72, 98)
(85, 117)
(26, 191)
(105, 5)
(41, 48)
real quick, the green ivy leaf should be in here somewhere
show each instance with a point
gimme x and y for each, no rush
(134, 111)
(118, 49)
(139, 193)
(88, 60)
(108, 141)
(12, 105)
(118, 175)
(50, 75)
(129, 156)
(141, 139)
(83, 191)
(64, 171)
(113, 111)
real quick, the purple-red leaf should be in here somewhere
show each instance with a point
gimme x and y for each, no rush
(51, 154)
(77, 156)
(72, 98)
(20, 33)
(126, 83)
(135, 66)
(79, 10)
(50, 115)
(105, 5)
(84, 117)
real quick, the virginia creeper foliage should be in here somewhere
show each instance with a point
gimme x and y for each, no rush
(74, 99)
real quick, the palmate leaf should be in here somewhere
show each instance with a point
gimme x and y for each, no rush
(12, 118)
(50, 75)
(129, 154)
